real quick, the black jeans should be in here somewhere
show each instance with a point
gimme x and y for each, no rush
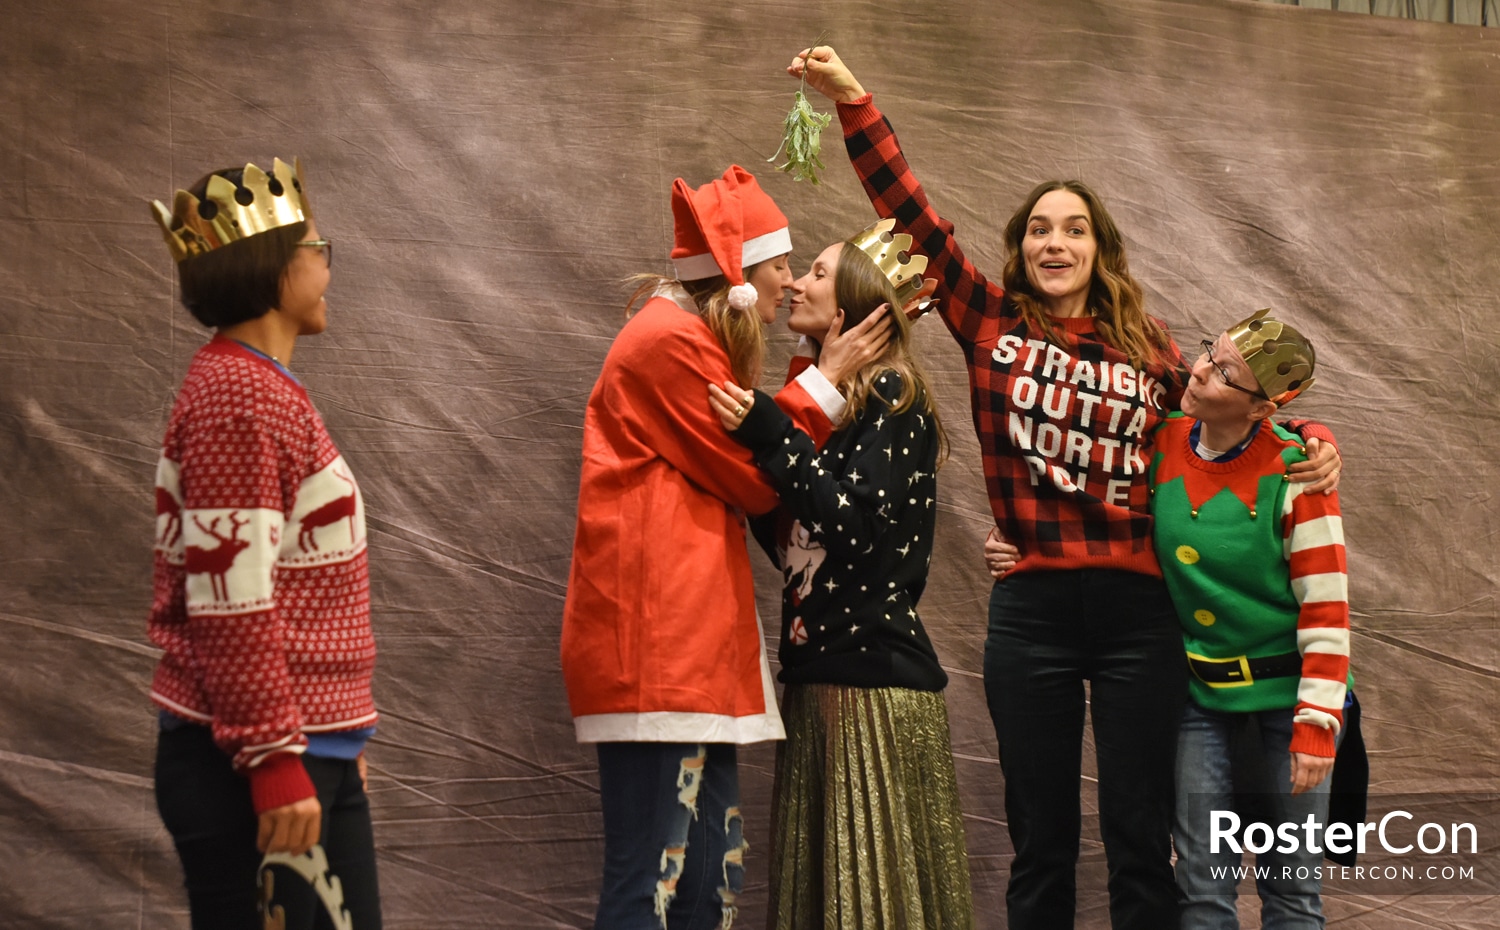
(1049, 631)
(206, 807)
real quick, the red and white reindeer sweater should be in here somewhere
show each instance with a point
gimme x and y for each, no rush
(262, 602)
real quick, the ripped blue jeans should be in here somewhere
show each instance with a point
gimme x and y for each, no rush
(673, 837)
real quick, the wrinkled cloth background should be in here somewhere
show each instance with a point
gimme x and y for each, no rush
(492, 170)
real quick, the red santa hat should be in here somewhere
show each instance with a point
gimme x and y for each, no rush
(723, 226)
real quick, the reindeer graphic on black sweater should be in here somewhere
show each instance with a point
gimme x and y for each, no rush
(800, 561)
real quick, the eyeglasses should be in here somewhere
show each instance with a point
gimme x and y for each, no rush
(1208, 349)
(322, 245)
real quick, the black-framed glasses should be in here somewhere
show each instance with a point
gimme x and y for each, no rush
(1208, 349)
(322, 245)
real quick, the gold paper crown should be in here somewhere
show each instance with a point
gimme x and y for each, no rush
(891, 253)
(1281, 358)
(228, 213)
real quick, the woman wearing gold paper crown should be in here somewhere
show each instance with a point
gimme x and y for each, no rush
(662, 651)
(1257, 572)
(1069, 376)
(261, 586)
(866, 829)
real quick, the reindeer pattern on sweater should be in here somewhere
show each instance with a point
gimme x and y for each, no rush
(261, 582)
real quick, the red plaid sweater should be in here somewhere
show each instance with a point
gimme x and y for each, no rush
(262, 604)
(1065, 432)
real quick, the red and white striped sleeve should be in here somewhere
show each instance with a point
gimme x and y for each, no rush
(1313, 543)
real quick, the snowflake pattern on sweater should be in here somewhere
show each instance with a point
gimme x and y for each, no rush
(856, 541)
(261, 601)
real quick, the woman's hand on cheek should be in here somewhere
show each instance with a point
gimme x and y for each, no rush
(846, 353)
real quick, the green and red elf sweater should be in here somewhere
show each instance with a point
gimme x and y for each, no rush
(1065, 430)
(1256, 568)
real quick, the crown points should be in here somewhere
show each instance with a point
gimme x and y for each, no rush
(230, 212)
(1280, 357)
(891, 253)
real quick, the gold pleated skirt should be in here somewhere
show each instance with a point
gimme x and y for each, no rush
(866, 829)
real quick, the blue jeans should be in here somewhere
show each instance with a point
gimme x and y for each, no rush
(673, 841)
(1049, 632)
(1206, 773)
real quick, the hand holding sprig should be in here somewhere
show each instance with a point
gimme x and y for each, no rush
(821, 67)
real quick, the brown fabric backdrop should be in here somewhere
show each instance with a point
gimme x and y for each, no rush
(491, 170)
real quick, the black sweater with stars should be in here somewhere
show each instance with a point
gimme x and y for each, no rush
(853, 540)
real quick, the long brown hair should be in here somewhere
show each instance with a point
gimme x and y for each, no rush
(1115, 299)
(739, 332)
(860, 287)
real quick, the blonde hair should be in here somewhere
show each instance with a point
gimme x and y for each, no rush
(1115, 299)
(739, 332)
(860, 287)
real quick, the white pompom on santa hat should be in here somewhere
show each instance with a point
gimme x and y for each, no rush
(722, 228)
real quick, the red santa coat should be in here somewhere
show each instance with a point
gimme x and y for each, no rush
(660, 638)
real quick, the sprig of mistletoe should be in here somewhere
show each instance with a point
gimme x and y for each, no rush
(802, 134)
